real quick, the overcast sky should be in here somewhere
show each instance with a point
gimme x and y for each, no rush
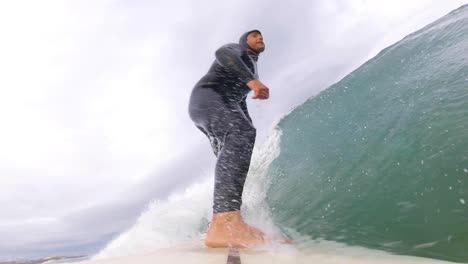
(93, 98)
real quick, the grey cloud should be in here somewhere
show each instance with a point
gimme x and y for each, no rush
(84, 230)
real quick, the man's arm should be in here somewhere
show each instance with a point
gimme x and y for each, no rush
(229, 56)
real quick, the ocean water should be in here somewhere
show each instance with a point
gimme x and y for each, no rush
(380, 159)
(375, 163)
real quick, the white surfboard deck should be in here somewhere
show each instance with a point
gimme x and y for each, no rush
(197, 253)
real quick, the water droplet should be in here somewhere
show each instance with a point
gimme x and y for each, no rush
(462, 201)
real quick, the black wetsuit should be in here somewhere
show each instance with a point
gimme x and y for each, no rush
(218, 108)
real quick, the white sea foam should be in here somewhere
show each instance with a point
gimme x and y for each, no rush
(185, 216)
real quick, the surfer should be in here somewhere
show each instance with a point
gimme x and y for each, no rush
(218, 108)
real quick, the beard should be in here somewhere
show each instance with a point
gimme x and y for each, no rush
(260, 49)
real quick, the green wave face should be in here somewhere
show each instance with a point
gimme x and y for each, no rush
(380, 158)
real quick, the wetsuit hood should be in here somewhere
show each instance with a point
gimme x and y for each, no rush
(243, 42)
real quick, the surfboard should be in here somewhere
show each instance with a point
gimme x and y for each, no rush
(197, 253)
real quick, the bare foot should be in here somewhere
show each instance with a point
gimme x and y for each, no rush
(256, 230)
(266, 237)
(229, 230)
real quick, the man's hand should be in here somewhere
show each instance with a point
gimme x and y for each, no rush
(261, 91)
